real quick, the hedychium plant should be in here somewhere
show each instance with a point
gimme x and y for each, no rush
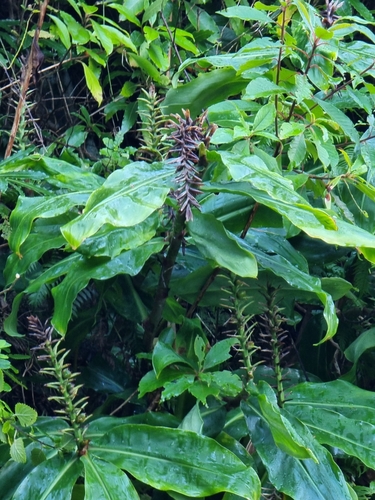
(280, 200)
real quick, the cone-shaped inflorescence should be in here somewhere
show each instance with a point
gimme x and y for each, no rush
(186, 137)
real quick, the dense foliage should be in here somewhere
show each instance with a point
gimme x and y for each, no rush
(187, 221)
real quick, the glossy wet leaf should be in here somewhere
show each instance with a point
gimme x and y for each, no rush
(305, 217)
(83, 270)
(44, 236)
(220, 247)
(285, 436)
(218, 353)
(163, 356)
(104, 481)
(339, 396)
(28, 209)
(181, 461)
(110, 241)
(127, 198)
(197, 94)
(300, 479)
(354, 437)
(53, 479)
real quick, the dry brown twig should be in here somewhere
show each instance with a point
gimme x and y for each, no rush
(29, 72)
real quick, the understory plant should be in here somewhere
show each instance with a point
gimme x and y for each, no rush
(198, 280)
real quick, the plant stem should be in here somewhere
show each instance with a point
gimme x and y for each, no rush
(152, 323)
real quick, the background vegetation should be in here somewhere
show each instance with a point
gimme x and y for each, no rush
(187, 222)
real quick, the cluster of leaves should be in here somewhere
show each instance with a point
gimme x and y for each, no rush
(198, 270)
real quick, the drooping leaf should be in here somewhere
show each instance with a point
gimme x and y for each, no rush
(176, 460)
(163, 355)
(52, 478)
(104, 481)
(221, 247)
(93, 83)
(197, 95)
(300, 479)
(28, 209)
(127, 198)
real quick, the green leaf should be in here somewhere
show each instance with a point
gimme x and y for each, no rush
(299, 479)
(339, 414)
(297, 149)
(110, 241)
(129, 11)
(93, 83)
(62, 31)
(17, 451)
(261, 87)
(363, 343)
(26, 416)
(127, 198)
(340, 118)
(221, 247)
(45, 236)
(197, 95)
(80, 273)
(246, 14)
(218, 353)
(163, 356)
(104, 481)
(354, 437)
(181, 461)
(52, 479)
(79, 34)
(338, 396)
(105, 40)
(317, 223)
(28, 209)
(199, 349)
(146, 65)
(264, 118)
(285, 437)
(175, 388)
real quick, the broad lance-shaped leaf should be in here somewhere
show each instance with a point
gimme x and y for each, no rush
(44, 236)
(58, 172)
(221, 247)
(284, 435)
(79, 270)
(340, 118)
(52, 479)
(177, 460)
(339, 396)
(104, 481)
(253, 170)
(29, 209)
(110, 241)
(339, 414)
(197, 94)
(286, 269)
(354, 437)
(304, 217)
(126, 198)
(130, 262)
(300, 479)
